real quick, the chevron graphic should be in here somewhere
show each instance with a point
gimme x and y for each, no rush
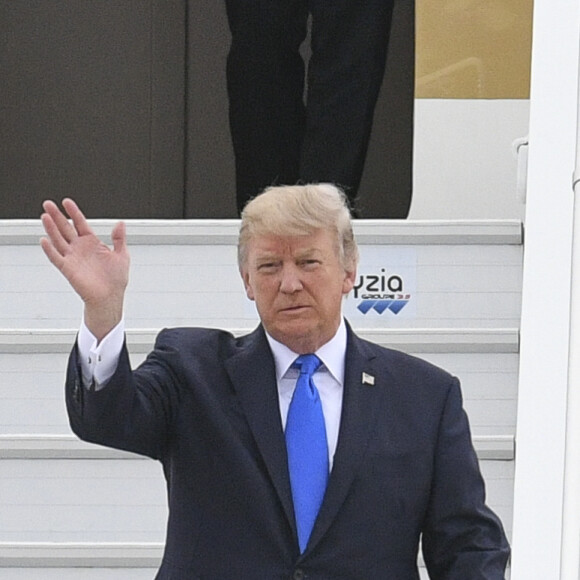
(379, 306)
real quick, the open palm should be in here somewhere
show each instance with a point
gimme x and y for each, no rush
(98, 273)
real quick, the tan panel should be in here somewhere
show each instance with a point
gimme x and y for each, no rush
(469, 49)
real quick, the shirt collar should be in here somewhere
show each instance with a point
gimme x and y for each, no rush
(332, 354)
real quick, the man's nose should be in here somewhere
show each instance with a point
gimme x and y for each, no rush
(290, 280)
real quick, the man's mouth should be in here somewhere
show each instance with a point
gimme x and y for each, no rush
(295, 308)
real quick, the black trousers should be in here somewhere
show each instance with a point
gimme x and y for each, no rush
(282, 131)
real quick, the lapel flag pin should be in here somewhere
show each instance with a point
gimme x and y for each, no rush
(368, 379)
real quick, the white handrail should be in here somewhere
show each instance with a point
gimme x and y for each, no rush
(570, 550)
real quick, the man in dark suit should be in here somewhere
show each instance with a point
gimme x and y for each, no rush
(399, 469)
(286, 130)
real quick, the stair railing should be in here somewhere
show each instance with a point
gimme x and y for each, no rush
(570, 547)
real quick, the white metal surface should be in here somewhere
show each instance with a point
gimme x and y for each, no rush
(225, 232)
(459, 285)
(540, 435)
(570, 564)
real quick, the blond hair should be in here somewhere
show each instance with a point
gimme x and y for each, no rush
(298, 210)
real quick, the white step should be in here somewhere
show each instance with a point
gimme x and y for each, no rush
(118, 513)
(455, 274)
(44, 465)
(32, 364)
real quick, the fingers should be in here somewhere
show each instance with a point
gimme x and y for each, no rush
(59, 228)
(78, 217)
(68, 230)
(119, 238)
(65, 228)
(62, 235)
(55, 237)
(51, 253)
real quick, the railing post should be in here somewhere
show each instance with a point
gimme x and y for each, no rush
(570, 554)
(545, 326)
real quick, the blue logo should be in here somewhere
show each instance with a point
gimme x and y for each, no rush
(395, 305)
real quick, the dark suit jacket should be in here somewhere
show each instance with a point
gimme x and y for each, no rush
(205, 404)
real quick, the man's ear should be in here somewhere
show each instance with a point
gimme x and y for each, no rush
(247, 286)
(348, 282)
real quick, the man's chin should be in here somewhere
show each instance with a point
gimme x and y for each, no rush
(297, 329)
(300, 336)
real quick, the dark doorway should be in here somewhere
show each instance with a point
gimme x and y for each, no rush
(122, 105)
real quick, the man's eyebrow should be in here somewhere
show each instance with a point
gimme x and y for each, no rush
(308, 253)
(267, 257)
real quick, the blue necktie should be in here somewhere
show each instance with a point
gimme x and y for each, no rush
(307, 448)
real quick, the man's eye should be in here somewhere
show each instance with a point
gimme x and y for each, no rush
(267, 267)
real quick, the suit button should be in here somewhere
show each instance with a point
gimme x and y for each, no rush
(298, 574)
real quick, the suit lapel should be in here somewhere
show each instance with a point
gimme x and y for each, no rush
(253, 374)
(359, 411)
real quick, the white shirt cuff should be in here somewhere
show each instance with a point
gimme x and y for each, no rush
(99, 360)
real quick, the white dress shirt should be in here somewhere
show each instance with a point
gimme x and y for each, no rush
(329, 380)
(99, 361)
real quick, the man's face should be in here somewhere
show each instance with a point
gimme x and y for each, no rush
(297, 283)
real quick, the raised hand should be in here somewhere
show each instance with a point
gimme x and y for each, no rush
(97, 273)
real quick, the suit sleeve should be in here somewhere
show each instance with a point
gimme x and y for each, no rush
(462, 538)
(133, 410)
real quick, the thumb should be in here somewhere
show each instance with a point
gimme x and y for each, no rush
(119, 238)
